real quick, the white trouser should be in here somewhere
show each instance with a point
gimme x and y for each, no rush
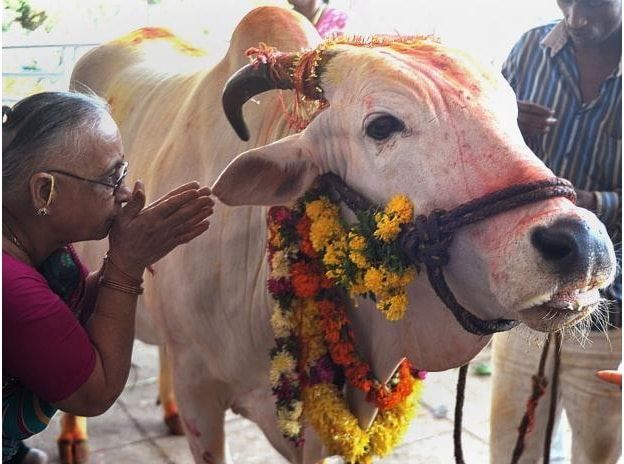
(593, 407)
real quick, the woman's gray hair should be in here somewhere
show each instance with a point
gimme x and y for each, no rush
(42, 128)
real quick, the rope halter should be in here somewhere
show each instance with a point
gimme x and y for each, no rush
(426, 240)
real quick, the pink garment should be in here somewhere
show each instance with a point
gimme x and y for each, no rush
(331, 21)
(44, 345)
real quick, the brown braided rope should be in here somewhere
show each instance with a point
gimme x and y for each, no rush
(553, 398)
(540, 382)
(459, 407)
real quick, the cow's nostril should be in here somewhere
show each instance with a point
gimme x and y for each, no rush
(570, 246)
(554, 244)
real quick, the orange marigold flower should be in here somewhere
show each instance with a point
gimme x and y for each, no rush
(305, 281)
(342, 353)
(359, 376)
(303, 229)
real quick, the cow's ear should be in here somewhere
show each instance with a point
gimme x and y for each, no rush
(274, 174)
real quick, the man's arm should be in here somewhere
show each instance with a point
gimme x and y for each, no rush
(609, 207)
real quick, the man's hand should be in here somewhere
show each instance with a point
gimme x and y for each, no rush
(585, 199)
(614, 377)
(534, 119)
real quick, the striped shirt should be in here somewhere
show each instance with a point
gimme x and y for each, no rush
(585, 144)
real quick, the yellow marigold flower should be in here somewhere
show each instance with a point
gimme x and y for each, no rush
(336, 426)
(374, 280)
(356, 241)
(358, 287)
(392, 279)
(323, 230)
(389, 427)
(400, 207)
(281, 363)
(335, 274)
(309, 321)
(394, 306)
(358, 259)
(291, 414)
(321, 207)
(407, 277)
(315, 209)
(387, 229)
(334, 253)
(290, 428)
(397, 280)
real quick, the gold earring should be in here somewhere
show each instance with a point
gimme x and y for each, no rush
(44, 211)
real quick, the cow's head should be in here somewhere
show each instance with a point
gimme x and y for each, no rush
(412, 116)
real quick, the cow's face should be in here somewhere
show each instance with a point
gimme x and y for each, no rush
(431, 124)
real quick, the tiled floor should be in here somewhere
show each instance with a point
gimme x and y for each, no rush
(132, 431)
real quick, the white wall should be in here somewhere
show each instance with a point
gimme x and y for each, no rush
(486, 28)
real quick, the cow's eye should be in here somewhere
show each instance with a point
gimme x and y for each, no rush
(383, 127)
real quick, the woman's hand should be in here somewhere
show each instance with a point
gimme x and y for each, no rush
(141, 236)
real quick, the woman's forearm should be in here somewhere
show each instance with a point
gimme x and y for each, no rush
(111, 329)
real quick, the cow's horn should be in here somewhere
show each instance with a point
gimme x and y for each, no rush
(248, 81)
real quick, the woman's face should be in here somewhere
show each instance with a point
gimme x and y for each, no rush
(84, 210)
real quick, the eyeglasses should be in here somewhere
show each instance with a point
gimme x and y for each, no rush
(116, 179)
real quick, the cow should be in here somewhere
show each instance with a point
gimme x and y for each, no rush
(397, 116)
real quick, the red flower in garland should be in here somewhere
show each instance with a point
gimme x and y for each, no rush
(359, 375)
(279, 287)
(279, 214)
(305, 279)
(303, 229)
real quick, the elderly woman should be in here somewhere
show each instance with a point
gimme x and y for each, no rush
(67, 334)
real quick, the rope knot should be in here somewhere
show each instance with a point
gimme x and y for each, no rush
(423, 241)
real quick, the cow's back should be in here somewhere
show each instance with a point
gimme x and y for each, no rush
(209, 294)
(166, 96)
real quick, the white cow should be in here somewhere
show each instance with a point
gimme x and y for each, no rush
(422, 120)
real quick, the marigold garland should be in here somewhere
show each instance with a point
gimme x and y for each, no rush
(310, 251)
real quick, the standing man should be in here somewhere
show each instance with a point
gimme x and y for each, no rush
(567, 77)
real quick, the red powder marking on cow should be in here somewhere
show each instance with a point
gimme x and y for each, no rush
(153, 33)
(368, 103)
(207, 457)
(191, 426)
(432, 53)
